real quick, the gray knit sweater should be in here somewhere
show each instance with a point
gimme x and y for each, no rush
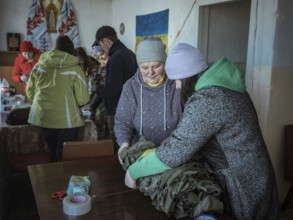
(238, 155)
(152, 112)
(248, 175)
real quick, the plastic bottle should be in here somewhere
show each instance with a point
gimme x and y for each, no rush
(5, 89)
(5, 96)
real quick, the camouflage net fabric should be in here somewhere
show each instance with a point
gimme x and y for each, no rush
(184, 191)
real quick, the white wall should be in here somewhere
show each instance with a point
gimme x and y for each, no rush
(10, 22)
(91, 14)
(269, 76)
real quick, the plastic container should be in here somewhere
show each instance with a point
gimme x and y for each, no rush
(5, 96)
(5, 89)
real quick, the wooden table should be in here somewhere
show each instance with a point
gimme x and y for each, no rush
(29, 138)
(113, 200)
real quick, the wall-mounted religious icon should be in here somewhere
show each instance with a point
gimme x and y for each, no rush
(52, 10)
(13, 41)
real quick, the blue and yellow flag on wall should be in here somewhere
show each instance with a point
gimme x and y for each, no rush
(155, 24)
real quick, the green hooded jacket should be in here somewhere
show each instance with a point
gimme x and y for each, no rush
(57, 88)
(223, 73)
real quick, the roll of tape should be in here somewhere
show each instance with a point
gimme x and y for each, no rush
(77, 204)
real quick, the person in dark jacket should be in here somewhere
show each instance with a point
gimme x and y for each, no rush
(120, 67)
(220, 124)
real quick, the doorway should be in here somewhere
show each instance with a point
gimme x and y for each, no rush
(224, 30)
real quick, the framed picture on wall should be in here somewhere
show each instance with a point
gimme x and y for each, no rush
(13, 41)
(52, 10)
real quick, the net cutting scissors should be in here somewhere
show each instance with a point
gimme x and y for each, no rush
(59, 195)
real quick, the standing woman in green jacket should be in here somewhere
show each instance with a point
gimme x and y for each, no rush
(57, 89)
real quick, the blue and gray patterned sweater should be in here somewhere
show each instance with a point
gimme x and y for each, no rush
(221, 112)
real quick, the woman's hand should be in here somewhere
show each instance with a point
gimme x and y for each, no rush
(23, 78)
(119, 151)
(129, 182)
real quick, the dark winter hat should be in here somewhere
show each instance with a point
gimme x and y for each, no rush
(151, 49)
(65, 44)
(184, 61)
(102, 32)
(26, 46)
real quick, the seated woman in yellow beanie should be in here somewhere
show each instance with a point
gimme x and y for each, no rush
(150, 104)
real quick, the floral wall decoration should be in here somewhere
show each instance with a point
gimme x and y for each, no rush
(37, 31)
(67, 23)
(51, 16)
